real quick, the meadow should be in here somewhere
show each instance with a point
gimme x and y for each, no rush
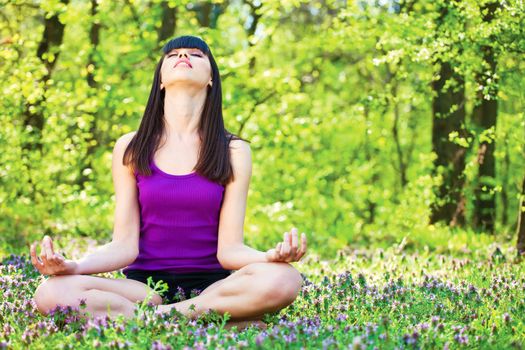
(399, 297)
(391, 132)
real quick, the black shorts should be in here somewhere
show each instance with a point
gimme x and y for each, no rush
(180, 285)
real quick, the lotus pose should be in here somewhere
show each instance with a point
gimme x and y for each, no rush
(181, 182)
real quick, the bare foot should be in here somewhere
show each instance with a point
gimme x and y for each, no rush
(245, 324)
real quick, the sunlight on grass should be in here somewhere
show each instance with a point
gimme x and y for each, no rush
(394, 297)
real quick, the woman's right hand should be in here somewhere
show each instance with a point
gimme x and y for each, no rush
(51, 263)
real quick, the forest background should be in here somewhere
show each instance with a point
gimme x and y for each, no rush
(372, 123)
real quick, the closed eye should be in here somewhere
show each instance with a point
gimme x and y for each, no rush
(194, 54)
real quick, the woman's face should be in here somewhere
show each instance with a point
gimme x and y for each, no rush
(196, 74)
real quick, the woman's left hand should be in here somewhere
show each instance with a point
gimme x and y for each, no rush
(288, 250)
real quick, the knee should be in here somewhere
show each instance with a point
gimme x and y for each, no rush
(284, 284)
(49, 292)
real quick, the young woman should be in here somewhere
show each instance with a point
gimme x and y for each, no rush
(181, 182)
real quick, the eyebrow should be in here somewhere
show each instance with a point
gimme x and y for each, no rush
(189, 50)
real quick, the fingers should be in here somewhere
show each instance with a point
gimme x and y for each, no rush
(294, 243)
(49, 245)
(59, 257)
(286, 245)
(49, 258)
(51, 255)
(34, 259)
(278, 250)
(43, 253)
(290, 245)
(302, 251)
(288, 250)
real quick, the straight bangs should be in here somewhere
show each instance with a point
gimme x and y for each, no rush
(186, 41)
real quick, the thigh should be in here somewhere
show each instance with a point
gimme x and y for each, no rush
(207, 280)
(233, 276)
(133, 290)
(264, 270)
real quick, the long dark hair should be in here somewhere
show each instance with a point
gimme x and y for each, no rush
(214, 156)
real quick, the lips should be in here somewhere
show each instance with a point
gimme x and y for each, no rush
(183, 61)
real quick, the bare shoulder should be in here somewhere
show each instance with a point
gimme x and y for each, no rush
(241, 157)
(118, 151)
(239, 146)
(125, 139)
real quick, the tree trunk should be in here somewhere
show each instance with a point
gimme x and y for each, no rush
(168, 22)
(521, 221)
(33, 117)
(450, 155)
(93, 141)
(505, 185)
(485, 115)
(448, 112)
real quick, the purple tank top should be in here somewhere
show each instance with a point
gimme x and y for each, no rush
(179, 220)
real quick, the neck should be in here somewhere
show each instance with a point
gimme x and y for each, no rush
(182, 112)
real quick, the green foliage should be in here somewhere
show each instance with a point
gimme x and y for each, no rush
(368, 297)
(318, 88)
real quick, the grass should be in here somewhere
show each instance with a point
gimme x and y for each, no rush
(374, 298)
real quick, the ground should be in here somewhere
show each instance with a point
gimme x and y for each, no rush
(368, 298)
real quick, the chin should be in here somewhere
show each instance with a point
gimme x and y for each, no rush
(187, 84)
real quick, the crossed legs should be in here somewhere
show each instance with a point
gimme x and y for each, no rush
(247, 294)
(119, 295)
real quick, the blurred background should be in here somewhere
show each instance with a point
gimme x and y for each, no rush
(372, 123)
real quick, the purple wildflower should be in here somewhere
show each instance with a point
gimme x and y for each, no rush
(435, 320)
(259, 339)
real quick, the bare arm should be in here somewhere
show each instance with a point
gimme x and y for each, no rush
(232, 253)
(109, 257)
(123, 249)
